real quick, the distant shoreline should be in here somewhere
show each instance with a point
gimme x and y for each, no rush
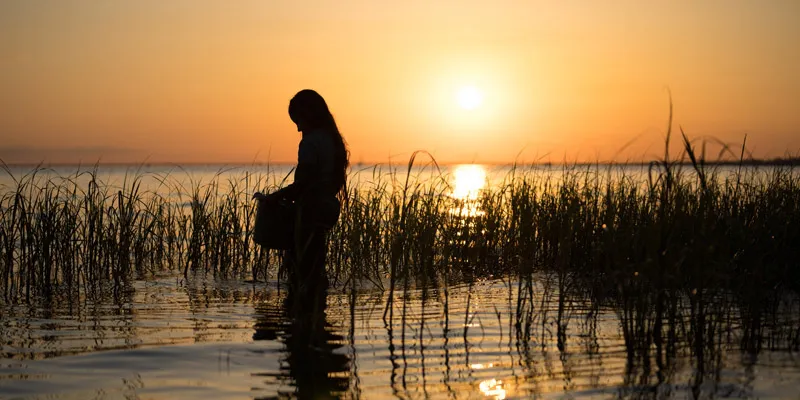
(750, 162)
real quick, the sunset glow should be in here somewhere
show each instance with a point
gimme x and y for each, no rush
(468, 81)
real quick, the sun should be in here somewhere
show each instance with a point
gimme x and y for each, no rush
(469, 97)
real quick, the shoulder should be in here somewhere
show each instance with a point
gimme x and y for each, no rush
(314, 145)
(318, 139)
(308, 150)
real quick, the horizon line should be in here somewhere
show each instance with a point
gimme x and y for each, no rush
(746, 161)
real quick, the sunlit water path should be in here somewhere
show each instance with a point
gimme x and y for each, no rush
(209, 339)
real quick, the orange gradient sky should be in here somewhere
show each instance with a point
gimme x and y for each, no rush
(209, 81)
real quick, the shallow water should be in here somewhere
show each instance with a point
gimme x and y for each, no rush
(206, 338)
(464, 179)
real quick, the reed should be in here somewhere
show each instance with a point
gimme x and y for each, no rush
(693, 258)
(690, 226)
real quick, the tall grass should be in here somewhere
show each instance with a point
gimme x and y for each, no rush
(75, 234)
(687, 226)
(691, 257)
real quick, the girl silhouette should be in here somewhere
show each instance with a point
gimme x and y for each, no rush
(318, 187)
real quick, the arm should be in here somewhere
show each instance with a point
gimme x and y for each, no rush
(303, 175)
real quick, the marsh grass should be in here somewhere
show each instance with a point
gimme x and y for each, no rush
(682, 226)
(75, 234)
(690, 256)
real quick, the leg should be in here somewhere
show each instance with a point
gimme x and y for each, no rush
(311, 260)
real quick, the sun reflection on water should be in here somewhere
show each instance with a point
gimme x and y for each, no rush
(468, 180)
(493, 388)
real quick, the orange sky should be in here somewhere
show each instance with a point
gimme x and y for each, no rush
(209, 81)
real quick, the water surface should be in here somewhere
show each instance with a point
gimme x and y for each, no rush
(215, 335)
(202, 338)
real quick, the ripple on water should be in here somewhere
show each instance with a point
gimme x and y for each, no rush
(229, 340)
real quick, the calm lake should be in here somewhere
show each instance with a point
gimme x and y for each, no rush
(203, 336)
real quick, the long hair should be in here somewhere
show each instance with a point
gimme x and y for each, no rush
(307, 105)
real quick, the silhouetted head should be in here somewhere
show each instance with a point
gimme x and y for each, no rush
(308, 110)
